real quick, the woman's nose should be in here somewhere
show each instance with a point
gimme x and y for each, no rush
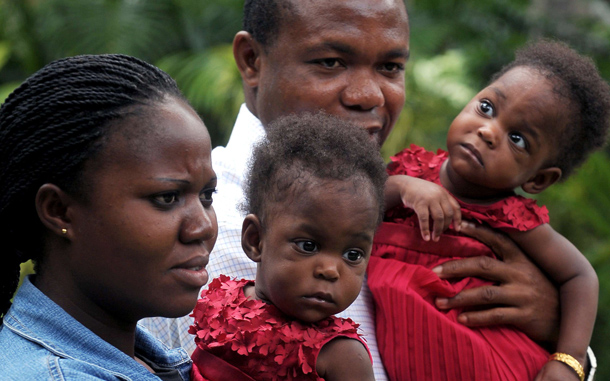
(199, 224)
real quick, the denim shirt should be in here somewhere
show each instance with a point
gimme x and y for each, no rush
(40, 341)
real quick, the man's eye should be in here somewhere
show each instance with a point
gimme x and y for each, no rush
(392, 67)
(354, 256)
(518, 140)
(329, 63)
(307, 246)
(166, 199)
(486, 108)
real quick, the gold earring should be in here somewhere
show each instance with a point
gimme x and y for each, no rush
(64, 231)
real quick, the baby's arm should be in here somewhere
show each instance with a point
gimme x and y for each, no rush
(344, 359)
(429, 201)
(579, 289)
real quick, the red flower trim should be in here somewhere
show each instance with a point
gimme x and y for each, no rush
(226, 319)
(515, 212)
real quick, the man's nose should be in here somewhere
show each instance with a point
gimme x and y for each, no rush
(363, 90)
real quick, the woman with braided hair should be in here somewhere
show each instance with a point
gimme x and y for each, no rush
(106, 184)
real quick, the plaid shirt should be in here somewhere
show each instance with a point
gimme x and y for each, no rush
(230, 164)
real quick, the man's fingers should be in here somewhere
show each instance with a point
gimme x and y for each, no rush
(480, 296)
(482, 267)
(493, 316)
(499, 243)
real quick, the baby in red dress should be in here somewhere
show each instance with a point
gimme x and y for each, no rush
(538, 120)
(314, 199)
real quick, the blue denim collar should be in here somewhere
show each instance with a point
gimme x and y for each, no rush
(36, 318)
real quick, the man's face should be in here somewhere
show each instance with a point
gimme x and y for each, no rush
(346, 58)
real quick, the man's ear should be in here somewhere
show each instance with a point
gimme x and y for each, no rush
(251, 237)
(52, 206)
(543, 179)
(247, 53)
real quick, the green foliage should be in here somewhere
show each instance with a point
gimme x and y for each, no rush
(212, 83)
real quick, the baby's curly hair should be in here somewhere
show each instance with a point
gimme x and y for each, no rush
(577, 80)
(305, 146)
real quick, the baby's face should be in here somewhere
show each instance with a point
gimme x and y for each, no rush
(315, 248)
(507, 133)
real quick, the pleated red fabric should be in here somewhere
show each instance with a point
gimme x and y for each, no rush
(416, 340)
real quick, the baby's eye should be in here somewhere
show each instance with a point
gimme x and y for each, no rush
(486, 108)
(518, 140)
(353, 255)
(307, 246)
(166, 199)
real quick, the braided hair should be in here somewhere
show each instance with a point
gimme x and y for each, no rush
(49, 127)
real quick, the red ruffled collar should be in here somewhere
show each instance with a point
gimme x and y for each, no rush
(514, 212)
(225, 318)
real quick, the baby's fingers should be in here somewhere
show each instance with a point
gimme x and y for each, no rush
(457, 213)
(423, 215)
(441, 218)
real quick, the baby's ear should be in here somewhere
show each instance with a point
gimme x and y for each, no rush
(543, 179)
(251, 231)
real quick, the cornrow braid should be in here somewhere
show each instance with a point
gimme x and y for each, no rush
(49, 127)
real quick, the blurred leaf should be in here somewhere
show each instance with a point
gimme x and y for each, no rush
(211, 82)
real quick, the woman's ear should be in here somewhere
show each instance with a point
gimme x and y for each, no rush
(247, 53)
(543, 179)
(251, 237)
(52, 206)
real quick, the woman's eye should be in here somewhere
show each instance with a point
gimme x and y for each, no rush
(166, 199)
(354, 256)
(307, 246)
(206, 196)
(486, 108)
(517, 140)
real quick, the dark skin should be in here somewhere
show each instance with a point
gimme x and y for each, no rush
(137, 243)
(523, 296)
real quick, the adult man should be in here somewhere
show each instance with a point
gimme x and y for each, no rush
(346, 57)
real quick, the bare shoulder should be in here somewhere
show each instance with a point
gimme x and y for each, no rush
(344, 359)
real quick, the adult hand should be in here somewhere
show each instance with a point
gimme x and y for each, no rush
(523, 296)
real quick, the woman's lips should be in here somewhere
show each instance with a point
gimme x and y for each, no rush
(192, 272)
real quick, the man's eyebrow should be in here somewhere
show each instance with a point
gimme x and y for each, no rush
(398, 53)
(172, 180)
(340, 47)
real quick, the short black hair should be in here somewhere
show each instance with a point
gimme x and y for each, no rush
(578, 81)
(49, 127)
(311, 145)
(262, 19)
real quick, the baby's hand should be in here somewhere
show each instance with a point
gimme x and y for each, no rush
(556, 371)
(431, 202)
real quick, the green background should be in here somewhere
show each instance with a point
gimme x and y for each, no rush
(455, 47)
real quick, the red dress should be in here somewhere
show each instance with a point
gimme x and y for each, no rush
(416, 340)
(257, 338)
